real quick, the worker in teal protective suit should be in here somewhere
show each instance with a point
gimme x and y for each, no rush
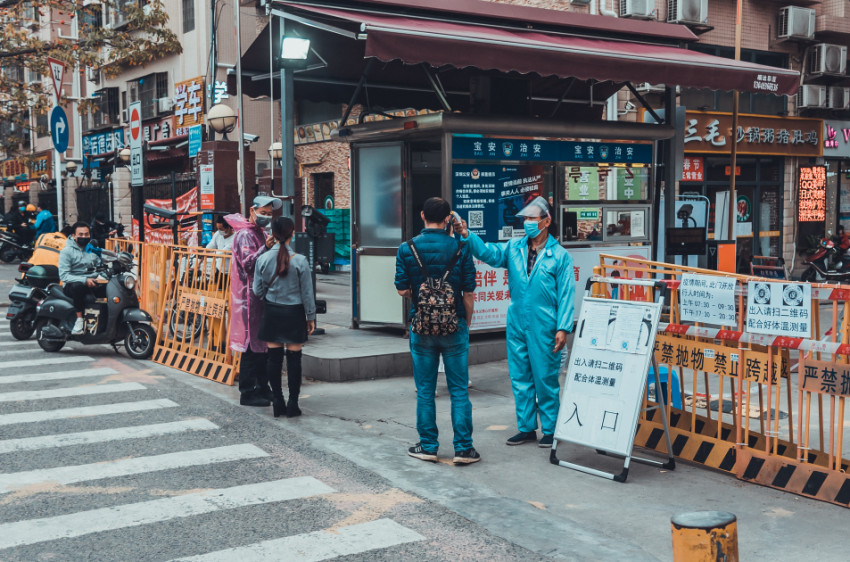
(542, 287)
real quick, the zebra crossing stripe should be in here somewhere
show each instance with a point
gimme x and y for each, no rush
(18, 343)
(321, 545)
(83, 523)
(85, 412)
(103, 435)
(126, 467)
(38, 361)
(68, 392)
(60, 375)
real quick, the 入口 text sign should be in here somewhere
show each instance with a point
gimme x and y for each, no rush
(779, 309)
(707, 299)
(811, 201)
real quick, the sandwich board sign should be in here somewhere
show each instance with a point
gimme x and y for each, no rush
(606, 377)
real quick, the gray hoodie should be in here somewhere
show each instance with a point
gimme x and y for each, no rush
(74, 263)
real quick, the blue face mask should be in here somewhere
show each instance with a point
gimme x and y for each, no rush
(531, 229)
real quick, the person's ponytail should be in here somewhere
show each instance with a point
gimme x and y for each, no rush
(282, 229)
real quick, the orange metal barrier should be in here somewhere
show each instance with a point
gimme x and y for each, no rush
(744, 409)
(193, 327)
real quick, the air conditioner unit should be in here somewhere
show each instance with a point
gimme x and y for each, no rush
(811, 96)
(838, 98)
(693, 12)
(638, 9)
(124, 117)
(93, 75)
(796, 23)
(827, 59)
(164, 105)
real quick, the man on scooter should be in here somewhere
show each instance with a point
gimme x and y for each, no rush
(76, 270)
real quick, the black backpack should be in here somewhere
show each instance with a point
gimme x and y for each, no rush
(436, 303)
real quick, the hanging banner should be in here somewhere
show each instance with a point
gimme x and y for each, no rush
(158, 230)
(492, 298)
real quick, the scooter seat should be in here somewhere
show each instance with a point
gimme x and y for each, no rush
(57, 292)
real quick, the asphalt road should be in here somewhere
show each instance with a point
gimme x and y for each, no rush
(106, 458)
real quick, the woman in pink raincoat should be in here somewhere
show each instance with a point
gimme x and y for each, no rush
(246, 310)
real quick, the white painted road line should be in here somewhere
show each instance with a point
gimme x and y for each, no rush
(85, 411)
(321, 545)
(66, 392)
(126, 467)
(60, 375)
(27, 343)
(38, 361)
(84, 523)
(103, 435)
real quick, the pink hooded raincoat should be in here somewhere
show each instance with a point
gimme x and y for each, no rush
(246, 309)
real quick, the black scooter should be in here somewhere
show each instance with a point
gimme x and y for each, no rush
(13, 247)
(25, 297)
(110, 320)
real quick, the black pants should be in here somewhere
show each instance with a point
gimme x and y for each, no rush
(79, 291)
(252, 372)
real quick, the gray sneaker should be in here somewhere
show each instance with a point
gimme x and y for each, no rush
(468, 456)
(79, 326)
(418, 453)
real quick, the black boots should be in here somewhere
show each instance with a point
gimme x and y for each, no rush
(293, 379)
(273, 368)
(293, 375)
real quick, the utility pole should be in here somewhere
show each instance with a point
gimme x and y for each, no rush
(733, 206)
(240, 114)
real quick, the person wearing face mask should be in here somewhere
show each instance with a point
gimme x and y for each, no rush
(76, 271)
(542, 286)
(250, 241)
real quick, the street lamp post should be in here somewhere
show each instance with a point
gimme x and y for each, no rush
(275, 153)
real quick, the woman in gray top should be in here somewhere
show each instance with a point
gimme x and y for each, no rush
(283, 279)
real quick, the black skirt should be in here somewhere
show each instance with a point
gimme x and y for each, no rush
(283, 323)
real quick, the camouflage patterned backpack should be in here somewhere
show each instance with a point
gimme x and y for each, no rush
(436, 303)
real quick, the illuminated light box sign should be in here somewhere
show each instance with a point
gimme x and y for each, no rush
(811, 205)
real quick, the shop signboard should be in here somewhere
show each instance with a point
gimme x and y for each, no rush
(41, 165)
(711, 132)
(188, 105)
(488, 197)
(630, 182)
(101, 143)
(22, 170)
(836, 139)
(811, 198)
(693, 168)
(500, 149)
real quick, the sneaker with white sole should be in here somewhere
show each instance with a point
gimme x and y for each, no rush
(522, 437)
(78, 328)
(418, 453)
(467, 456)
(546, 441)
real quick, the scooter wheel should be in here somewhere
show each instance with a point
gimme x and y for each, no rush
(47, 345)
(8, 254)
(809, 276)
(140, 341)
(23, 326)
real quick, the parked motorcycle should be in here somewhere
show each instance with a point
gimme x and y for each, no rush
(110, 320)
(12, 247)
(827, 264)
(25, 297)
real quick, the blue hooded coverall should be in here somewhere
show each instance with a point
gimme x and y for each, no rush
(541, 304)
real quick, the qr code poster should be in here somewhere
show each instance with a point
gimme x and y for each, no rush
(476, 219)
(779, 309)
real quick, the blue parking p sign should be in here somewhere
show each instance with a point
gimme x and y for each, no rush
(59, 129)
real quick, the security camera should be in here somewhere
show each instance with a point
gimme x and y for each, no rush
(684, 212)
(249, 138)
(313, 215)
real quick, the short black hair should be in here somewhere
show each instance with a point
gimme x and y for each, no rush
(67, 230)
(436, 209)
(220, 220)
(80, 224)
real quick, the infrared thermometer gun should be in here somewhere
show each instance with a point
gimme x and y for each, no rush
(455, 218)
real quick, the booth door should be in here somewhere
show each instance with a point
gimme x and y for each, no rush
(377, 232)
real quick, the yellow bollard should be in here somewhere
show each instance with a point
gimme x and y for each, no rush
(705, 536)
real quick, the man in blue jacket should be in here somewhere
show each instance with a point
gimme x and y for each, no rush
(542, 286)
(437, 250)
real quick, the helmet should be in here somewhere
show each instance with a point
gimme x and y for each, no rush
(31, 207)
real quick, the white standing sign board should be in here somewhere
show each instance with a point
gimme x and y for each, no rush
(606, 378)
(137, 171)
(707, 299)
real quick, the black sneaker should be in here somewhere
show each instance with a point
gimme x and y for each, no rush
(546, 441)
(266, 393)
(252, 399)
(468, 456)
(522, 437)
(418, 453)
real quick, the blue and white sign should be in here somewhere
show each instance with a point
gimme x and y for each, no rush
(59, 129)
(484, 148)
(195, 136)
(101, 143)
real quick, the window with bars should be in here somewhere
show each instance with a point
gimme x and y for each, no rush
(188, 16)
(148, 90)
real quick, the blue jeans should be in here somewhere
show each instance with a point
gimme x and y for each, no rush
(426, 351)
